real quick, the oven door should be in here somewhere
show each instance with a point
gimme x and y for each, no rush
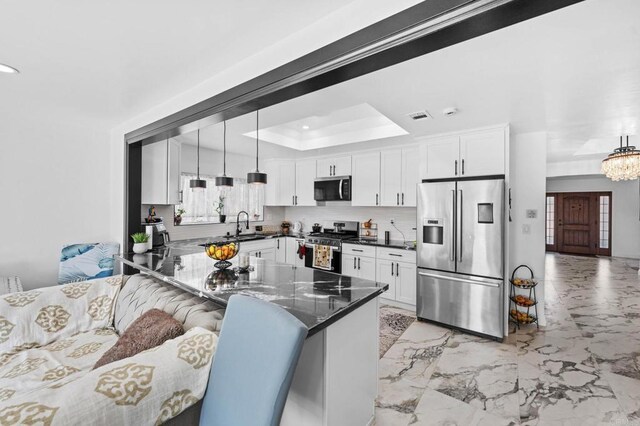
(336, 260)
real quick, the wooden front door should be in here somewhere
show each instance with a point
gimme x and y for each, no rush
(582, 223)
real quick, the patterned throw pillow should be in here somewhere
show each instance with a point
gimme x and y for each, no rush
(151, 329)
(81, 262)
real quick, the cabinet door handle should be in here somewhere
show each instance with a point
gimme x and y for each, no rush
(397, 198)
(392, 269)
(456, 167)
(354, 263)
(397, 269)
(358, 263)
(180, 196)
(296, 198)
(293, 200)
(394, 254)
(330, 172)
(334, 169)
(463, 166)
(358, 250)
(376, 199)
(278, 241)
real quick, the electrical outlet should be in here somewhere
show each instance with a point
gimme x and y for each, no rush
(532, 213)
(526, 229)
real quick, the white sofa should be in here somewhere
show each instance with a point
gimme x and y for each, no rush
(50, 338)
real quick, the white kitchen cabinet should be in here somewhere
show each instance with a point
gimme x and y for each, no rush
(359, 261)
(482, 153)
(337, 166)
(366, 179)
(265, 249)
(281, 182)
(410, 176)
(292, 257)
(441, 157)
(161, 173)
(390, 177)
(385, 273)
(399, 175)
(470, 154)
(305, 177)
(406, 282)
(397, 268)
(281, 249)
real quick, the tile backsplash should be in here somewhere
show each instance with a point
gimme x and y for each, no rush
(404, 217)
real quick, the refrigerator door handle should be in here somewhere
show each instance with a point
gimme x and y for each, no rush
(460, 236)
(462, 280)
(453, 231)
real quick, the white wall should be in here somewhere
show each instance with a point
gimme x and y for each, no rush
(55, 189)
(343, 22)
(528, 162)
(625, 222)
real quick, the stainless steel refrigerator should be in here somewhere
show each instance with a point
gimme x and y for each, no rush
(460, 254)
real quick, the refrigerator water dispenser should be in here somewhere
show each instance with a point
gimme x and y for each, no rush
(432, 231)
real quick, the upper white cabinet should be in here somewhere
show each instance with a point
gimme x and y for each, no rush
(441, 157)
(482, 153)
(290, 183)
(281, 182)
(478, 153)
(338, 166)
(305, 176)
(400, 173)
(366, 179)
(161, 173)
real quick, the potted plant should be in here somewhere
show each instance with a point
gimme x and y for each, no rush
(220, 209)
(177, 218)
(140, 240)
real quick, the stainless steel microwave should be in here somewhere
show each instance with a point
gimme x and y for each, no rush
(333, 189)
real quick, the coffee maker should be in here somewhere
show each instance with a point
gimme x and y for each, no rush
(159, 234)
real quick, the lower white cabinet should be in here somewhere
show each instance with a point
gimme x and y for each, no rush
(406, 282)
(281, 249)
(291, 252)
(359, 266)
(264, 249)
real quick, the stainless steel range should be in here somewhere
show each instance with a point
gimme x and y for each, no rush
(332, 238)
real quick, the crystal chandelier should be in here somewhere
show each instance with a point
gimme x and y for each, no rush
(623, 163)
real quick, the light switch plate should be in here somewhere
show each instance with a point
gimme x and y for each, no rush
(526, 229)
(532, 213)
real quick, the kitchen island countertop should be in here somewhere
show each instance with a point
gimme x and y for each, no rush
(315, 297)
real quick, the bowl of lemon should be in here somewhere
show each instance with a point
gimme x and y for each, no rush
(222, 252)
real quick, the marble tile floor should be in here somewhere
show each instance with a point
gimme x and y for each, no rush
(582, 368)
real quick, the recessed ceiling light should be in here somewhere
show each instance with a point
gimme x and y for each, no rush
(450, 111)
(7, 69)
(305, 127)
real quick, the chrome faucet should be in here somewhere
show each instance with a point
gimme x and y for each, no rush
(238, 230)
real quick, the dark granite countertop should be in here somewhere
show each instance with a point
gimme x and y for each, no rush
(192, 242)
(315, 297)
(397, 244)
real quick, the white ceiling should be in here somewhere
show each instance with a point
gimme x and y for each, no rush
(113, 60)
(574, 73)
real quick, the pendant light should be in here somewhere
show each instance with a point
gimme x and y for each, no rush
(623, 163)
(198, 183)
(224, 180)
(256, 177)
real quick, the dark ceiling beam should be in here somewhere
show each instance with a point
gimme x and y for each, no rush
(298, 78)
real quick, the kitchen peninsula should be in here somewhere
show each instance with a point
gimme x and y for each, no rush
(336, 378)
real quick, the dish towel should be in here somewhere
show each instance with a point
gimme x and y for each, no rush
(322, 257)
(302, 251)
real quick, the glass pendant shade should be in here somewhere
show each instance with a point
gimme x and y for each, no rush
(224, 180)
(198, 183)
(623, 163)
(256, 177)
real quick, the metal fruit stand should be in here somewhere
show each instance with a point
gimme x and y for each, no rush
(520, 301)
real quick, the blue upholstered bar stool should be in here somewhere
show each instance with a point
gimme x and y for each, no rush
(253, 366)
